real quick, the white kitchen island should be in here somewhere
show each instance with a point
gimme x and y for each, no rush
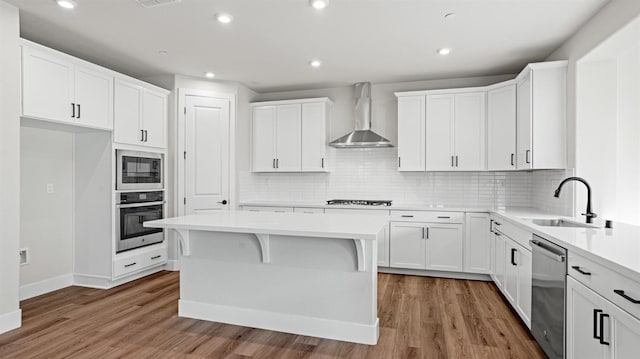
(290, 272)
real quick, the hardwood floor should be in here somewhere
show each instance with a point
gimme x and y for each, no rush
(420, 317)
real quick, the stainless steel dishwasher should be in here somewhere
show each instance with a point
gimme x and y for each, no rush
(548, 287)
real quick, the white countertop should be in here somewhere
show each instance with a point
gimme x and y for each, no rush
(617, 249)
(288, 224)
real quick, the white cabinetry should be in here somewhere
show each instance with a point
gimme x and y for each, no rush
(426, 245)
(140, 114)
(501, 127)
(597, 328)
(441, 130)
(477, 243)
(411, 133)
(541, 116)
(513, 266)
(58, 87)
(290, 136)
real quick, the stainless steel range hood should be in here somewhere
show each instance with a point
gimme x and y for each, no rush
(362, 136)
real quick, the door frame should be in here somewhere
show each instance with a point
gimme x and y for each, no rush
(180, 140)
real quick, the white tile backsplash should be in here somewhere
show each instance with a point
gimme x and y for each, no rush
(371, 174)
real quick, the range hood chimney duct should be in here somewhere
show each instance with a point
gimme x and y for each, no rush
(362, 136)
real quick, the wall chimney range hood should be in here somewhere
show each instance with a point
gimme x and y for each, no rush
(362, 136)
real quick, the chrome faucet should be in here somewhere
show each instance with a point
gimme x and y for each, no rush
(590, 215)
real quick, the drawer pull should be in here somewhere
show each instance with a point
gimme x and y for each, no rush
(156, 257)
(513, 256)
(580, 270)
(130, 265)
(596, 315)
(407, 216)
(444, 217)
(621, 293)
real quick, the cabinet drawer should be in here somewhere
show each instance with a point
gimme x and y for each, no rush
(156, 257)
(308, 210)
(126, 265)
(517, 234)
(267, 209)
(606, 282)
(428, 216)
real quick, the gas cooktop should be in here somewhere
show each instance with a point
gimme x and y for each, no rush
(358, 202)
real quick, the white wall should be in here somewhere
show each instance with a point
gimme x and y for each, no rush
(602, 26)
(46, 227)
(9, 167)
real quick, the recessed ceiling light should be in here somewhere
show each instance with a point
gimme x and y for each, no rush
(444, 51)
(224, 18)
(210, 75)
(450, 15)
(315, 63)
(67, 4)
(319, 4)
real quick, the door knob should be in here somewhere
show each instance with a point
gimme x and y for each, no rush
(224, 201)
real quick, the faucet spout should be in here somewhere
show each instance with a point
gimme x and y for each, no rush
(590, 215)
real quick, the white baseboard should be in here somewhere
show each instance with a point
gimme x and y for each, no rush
(172, 265)
(10, 321)
(437, 274)
(98, 282)
(45, 286)
(288, 323)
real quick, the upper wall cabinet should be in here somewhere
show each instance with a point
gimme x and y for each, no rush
(60, 88)
(501, 127)
(290, 136)
(441, 131)
(140, 114)
(514, 125)
(541, 116)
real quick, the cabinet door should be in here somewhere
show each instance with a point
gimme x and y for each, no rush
(501, 144)
(128, 113)
(383, 249)
(499, 260)
(154, 119)
(469, 131)
(47, 86)
(444, 247)
(408, 245)
(626, 334)
(288, 122)
(523, 302)
(477, 244)
(511, 272)
(314, 136)
(582, 322)
(263, 134)
(524, 154)
(94, 97)
(411, 133)
(439, 127)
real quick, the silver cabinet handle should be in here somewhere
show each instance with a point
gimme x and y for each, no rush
(452, 161)
(527, 155)
(322, 162)
(427, 230)
(277, 163)
(456, 160)
(399, 161)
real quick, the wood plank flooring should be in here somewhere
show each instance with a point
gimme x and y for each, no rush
(420, 317)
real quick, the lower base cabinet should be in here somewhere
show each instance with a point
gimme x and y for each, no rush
(420, 245)
(597, 328)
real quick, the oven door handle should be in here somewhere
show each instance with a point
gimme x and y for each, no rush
(143, 204)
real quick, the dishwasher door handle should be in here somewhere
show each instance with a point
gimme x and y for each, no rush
(547, 252)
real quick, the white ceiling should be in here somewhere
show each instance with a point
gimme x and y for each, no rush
(270, 42)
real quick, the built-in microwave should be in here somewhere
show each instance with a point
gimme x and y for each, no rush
(139, 170)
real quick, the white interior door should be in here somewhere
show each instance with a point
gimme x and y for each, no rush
(206, 164)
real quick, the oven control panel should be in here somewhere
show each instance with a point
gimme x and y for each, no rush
(141, 197)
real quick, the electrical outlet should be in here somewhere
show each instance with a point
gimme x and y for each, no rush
(24, 256)
(49, 188)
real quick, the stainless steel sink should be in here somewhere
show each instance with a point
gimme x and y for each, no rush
(558, 222)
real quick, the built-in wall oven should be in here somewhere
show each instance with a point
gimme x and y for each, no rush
(139, 170)
(133, 209)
